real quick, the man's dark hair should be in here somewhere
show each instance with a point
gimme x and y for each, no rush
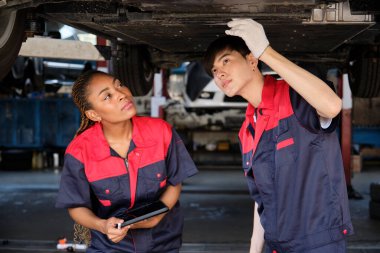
(226, 42)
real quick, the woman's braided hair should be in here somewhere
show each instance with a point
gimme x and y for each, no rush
(79, 94)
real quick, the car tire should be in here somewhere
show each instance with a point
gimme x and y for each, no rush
(133, 67)
(363, 71)
(11, 36)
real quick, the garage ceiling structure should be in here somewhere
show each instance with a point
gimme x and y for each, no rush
(166, 32)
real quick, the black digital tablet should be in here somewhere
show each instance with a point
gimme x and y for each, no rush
(143, 212)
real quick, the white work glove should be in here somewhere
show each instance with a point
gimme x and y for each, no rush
(251, 32)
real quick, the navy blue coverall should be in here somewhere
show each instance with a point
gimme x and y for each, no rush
(96, 177)
(295, 173)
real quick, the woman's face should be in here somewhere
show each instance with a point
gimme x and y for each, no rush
(111, 102)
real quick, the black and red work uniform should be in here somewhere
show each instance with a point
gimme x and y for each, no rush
(96, 177)
(295, 173)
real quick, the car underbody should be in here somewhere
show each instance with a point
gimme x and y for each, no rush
(147, 35)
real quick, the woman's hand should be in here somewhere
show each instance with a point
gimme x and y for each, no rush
(113, 233)
(86, 218)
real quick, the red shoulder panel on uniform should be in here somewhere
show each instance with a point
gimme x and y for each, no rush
(152, 137)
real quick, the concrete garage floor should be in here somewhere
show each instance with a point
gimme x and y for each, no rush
(218, 212)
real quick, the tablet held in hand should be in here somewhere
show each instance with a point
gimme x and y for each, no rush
(142, 213)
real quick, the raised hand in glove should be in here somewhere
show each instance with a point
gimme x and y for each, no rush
(251, 32)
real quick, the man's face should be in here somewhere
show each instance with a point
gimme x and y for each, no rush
(231, 72)
(110, 101)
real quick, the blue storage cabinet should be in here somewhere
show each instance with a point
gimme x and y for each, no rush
(68, 121)
(7, 123)
(49, 122)
(20, 124)
(37, 123)
(60, 120)
(369, 136)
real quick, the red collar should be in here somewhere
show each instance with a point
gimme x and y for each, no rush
(97, 143)
(267, 96)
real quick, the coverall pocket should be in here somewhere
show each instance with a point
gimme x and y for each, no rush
(152, 178)
(107, 191)
(285, 151)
